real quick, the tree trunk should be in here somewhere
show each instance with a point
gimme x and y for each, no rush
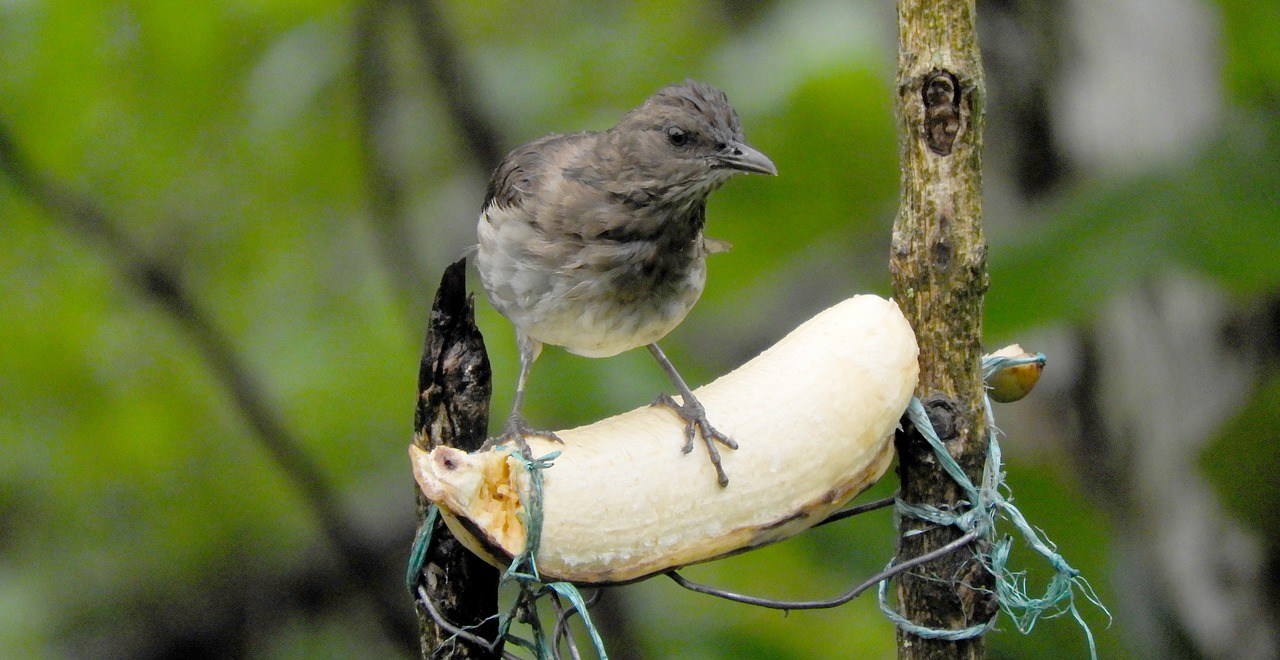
(939, 271)
(454, 387)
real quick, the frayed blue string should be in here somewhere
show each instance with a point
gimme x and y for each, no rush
(921, 631)
(421, 542)
(978, 512)
(523, 568)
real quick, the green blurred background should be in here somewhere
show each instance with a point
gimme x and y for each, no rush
(221, 224)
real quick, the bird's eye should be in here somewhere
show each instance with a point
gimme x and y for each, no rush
(677, 136)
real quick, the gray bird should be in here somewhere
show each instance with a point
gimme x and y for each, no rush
(593, 241)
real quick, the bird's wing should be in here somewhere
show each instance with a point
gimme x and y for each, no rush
(524, 171)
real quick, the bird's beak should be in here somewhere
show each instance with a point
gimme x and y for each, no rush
(739, 156)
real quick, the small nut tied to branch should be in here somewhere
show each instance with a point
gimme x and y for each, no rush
(1012, 383)
(814, 417)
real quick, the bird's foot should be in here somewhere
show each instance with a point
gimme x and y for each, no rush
(515, 432)
(695, 422)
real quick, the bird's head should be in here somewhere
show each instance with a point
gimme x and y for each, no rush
(686, 140)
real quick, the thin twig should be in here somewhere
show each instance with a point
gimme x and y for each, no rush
(383, 184)
(832, 602)
(479, 132)
(562, 622)
(855, 510)
(156, 282)
(460, 633)
(561, 629)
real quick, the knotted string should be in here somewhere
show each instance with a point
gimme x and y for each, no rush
(523, 569)
(978, 513)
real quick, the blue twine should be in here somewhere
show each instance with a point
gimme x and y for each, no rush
(421, 542)
(927, 633)
(978, 513)
(523, 568)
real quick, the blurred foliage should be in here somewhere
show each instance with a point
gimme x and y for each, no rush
(1243, 461)
(1213, 216)
(225, 139)
(1252, 68)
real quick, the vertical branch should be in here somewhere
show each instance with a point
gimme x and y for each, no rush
(454, 387)
(384, 184)
(939, 271)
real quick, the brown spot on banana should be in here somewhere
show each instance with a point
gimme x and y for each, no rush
(813, 415)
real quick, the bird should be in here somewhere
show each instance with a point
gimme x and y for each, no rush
(593, 241)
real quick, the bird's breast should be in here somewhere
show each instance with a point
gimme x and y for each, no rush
(621, 296)
(593, 297)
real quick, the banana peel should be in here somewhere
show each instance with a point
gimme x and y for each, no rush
(813, 416)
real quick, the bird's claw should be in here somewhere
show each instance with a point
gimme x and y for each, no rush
(695, 422)
(515, 432)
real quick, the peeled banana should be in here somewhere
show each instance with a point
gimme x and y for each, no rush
(813, 416)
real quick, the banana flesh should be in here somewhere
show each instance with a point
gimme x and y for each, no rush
(813, 415)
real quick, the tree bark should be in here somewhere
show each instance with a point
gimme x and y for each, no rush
(939, 272)
(454, 386)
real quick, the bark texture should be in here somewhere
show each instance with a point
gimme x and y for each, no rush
(454, 386)
(939, 270)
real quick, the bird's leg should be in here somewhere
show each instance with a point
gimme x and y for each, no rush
(694, 415)
(516, 428)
